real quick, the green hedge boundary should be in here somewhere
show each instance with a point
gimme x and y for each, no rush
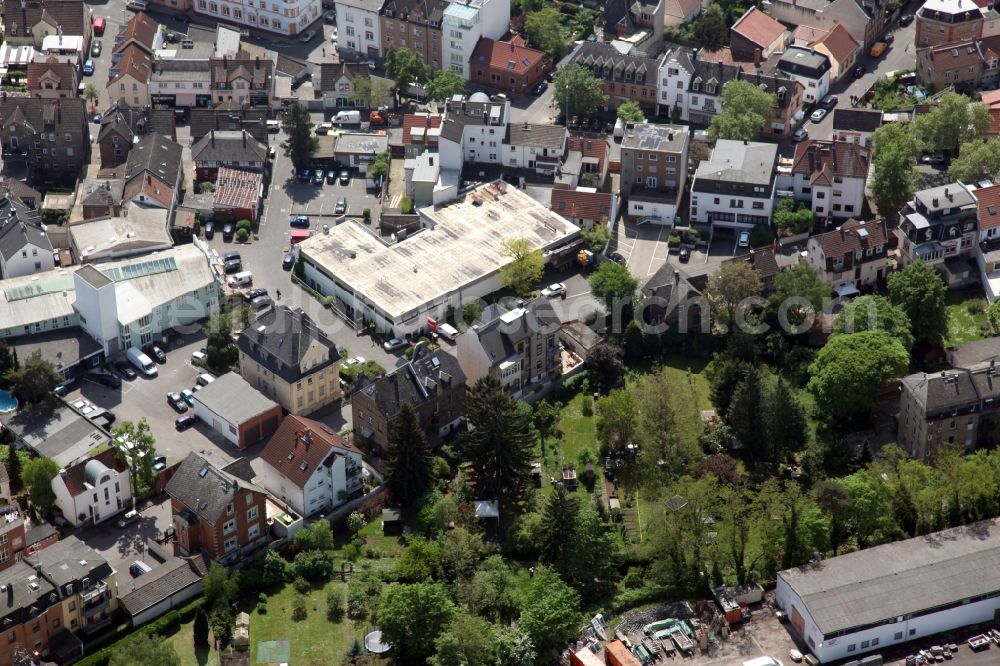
(161, 626)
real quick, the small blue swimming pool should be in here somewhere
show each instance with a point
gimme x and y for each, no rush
(8, 403)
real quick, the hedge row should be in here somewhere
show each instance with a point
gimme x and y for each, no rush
(161, 626)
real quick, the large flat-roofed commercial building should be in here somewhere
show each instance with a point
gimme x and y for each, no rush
(455, 257)
(880, 597)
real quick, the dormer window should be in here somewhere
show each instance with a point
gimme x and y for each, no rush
(696, 84)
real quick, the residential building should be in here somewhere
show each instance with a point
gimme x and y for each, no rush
(182, 83)
(13, 537)
(337, 86)
(841, 49)
(431, 382)
(705, 92)
(586, 163)
(755, 36)
(122, 125)
(141, 30)
(635, 26)
(50, 137)
(421, 131)
(626, 77)
(25, 245)
(988, 246)
(230, 117)
(287, 19)
(877, 599)
(243, 80)
(13, 188)
(130, 76)
(856, 125)
(788, 94)
(216, 513)
(672, 301)
(359, 28)
(830, 176)
(153, 172)
(237, 411)
(509, 65)
(473, 131)
(809, 67)
(5, 493)
(864, 19)
(29, 23)
(51, 78)
(239, 194)
(584, 206)
(309, 466)
(764, 263)
(940, 22)
(654, 161)
(735, 188)
(960, 64)
(852, 256)
(415, 25)
(357, 150)
(538, 147)
(94, 490)
(676, 69)
(285, 356)
(518, 347)
(379, 283)
(679, 12)
(221, 149)
(464, 24)
(938, 227)
(167, 587)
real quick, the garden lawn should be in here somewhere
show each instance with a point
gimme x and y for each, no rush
(967, 321)
(183, 642)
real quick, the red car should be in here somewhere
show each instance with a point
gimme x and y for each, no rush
(99, 25)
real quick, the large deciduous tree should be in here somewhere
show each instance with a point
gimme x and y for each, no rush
(631, 112)
(578, 91)
(444, 85)
(604, 362)
(300, 143)
(950, 122)
(559, 516)
(37, 476)
(613, 284)
(712, 29)
(136, 447)
(894, 180)
(551, 614)
(919, 290)
(745, 111)
(404, 67)
(979, 159)
(545, 32)
(850, 370)
(34, 380)
(797, 296)
(412, 617)
(408, 475)
(875, 313)
(728, 290)
(524, 266)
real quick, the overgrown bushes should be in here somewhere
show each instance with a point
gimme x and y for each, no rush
(161, 626)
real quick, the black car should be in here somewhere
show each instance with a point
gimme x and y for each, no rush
(889, 39)
(303, 176)
(617, 258)
(331, 177)
(859, 71)
(254, 293)
(906, 19)
(177, 402)
(227, 231)
(233, 266)
(318, 177)
(541, 87)
(288, 262)
(125, 370)
(184, 422)
(345, 178)
(301, 221)
(209, 230)
(684, 255)
(155, 353)
(106, 379)
(232, 254)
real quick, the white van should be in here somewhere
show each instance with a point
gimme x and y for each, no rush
(447, 331)
(141, 361)
(240, 279)
(204, 379)
(273, 126)
(349, 117)
(137, 5)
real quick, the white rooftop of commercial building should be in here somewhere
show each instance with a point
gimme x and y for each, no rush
(950, 6)
(143, 228)
(461, 248)
(57, 43)
(34, 298)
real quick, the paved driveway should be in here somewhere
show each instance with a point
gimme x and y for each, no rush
(120, 547)
(644, 247)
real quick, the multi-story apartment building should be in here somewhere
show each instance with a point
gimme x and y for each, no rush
(864, 19)
(947, 21)
(654, 162)
(93, 490)
(130, 76)
(937, 226)
(25, 246)
(50, 137)
(51, 78)
(852, 255)
(735, 188)
(180, 83)
(519, 347)
(285, 356)
(473, 131)
(287, 18)
(962, 64)
(755, 36)
(638, 24)
(311, 467)
(830, 176)
(788, 94)
(538, 147)
(216, 513)
(810, 68)
(415, 25)
(242, 80)
(676, 69)
(431, 382)
(359, 31)
(625, 77)
(153, 172)
(856, 125)
(29, 23)
(464, 24)
(12, 535)
(508, 65)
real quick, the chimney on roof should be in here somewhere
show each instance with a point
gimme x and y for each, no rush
(257, 60)
(757, 59)
(212, 138)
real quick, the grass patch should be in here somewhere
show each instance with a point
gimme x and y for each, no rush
(967, 321)
(182, 641)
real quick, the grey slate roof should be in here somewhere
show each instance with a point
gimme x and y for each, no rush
(231, 118)
(93, 277)
(232, 398)
(419, 381)
(460, 114)
(540, 136)
(157, 155)
(858, 120)
(123, 119)
(953, 195)
(901, 578)
(18, 189)
(229, 148)
(607, 63)
(803, 61)
(282, 343)
(159, 584)
(103, 192)
(20, 226)
(70, 560)
(706, 72)
(205, 489)
(500, 330)
(973, 353)
(22, 598)
(941, 392)
(661, 138)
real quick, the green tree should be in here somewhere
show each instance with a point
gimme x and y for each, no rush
(13, 467)
(136, 447)
(604, 361)
(729, 288)
(745, 110)
(545, 418)
(635, 343)
(613, 284)
(617, 414)
(551, 614)
(218, 586)
(371, 93)
(467, 641)
(335, 604)
(37, 476)
(630, 112)
(597, 236)
(492, 591)
(379, 170)
(408, 463)
(586, 568)
(220, 350)
(33, 382)
(559, 527)
(724, 374)
(875, 313)
(444, 85)
(791, 217)
(746, 417)
(919, 290)
(92, 95)
(797, 296)
(870, 509)
(8, 361)
(850, 370)
(523, 266)
(411, 617)
(786, 428)
(419, 561)
(711, 29)
(471, 312)
(950, 122)
(578, 91)
(514, 648)
(356, 522)
(499, 443)
(146, 650)
(405, 67)
(979, 159)
(200, 629)
(894, 180)
(545, 32)
(300, 143)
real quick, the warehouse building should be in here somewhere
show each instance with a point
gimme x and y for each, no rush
(453, 258)
(877, 598)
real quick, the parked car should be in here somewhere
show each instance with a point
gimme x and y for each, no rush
(100, 23)
(307, 36)
(209, 230)
(345, 178)
(539, 88)
(288, 262)
(324, 128)
(198, 356)
(932, 159)
(95, 48)
(859, 71)
(393, 344)
(301, 221)
(555, 289)
(303, 176)
(125, 370)
(177, 402)
(318, 177)
(254, 293)
(227, 231)
(88, 67)
(818, 115)
(232, 266)
(188, 396)
(186, 421)
(331, 177)
(138, 568)
(231, 254)
(905, 19)
(129, 518)
(743, 240)
(106, 379)
(829, 102)
(684, 255)
(160, 462)
(617, 258)
(155, 353)
(341, 206)
(261, 303)
(800, 134)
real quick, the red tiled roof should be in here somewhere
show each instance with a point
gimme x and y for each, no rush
(74, 476)
(988, 201)
(134, 62)
(808, 34)
(758, 27)
(590, 148)
(724, 56)
(845, 240)
(508, 56)
(426, 120)
(300, 440)
(992, 101)
(142, 28)
(236, 188)
(65, 71)
(680, 8)
(822, 160)
(953, 56)
(840, 43)
(580, 204)
(151, 186)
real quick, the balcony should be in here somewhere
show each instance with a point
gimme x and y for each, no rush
(94, 592)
